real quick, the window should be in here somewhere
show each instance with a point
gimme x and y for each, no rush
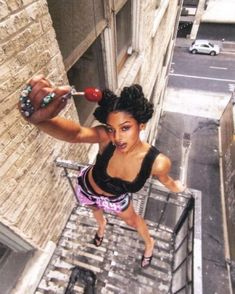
(79, 26)
(123, 33)
(14, 254)
(161, 8)
(4, 250)
(88, 71)
(76, 24)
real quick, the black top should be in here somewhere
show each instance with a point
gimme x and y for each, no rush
(117, 186)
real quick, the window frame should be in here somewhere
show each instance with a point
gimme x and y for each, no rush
(122, 57)
(114, 77)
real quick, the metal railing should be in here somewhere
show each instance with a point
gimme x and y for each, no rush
(175, 213)
(182, 268)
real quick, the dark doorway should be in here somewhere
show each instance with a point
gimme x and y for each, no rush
(184, 29)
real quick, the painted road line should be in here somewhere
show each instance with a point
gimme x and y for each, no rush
(231, 87)
(229, 53)
(202, 78)
(217, 67)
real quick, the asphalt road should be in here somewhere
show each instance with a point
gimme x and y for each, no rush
(202, 72)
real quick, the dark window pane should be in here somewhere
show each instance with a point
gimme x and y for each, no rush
(88, 71)
(3, 251)
(124, 32)
(73, 21)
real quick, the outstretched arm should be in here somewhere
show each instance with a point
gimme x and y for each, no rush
(46, 119)
(72, 132)
(161, 169)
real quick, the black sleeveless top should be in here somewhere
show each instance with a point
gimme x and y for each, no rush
(117, 186)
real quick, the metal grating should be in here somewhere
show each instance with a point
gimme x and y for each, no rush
(116, 264)
(78, 266)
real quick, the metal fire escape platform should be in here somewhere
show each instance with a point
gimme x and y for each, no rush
(78, 266)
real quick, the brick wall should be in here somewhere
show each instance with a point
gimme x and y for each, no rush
(155, 47)
(35, 201)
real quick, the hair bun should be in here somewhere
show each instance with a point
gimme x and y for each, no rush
(132, 93)
(107, 97)
(131, 100)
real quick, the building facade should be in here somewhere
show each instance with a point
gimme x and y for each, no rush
(101, 43)
(208, 19)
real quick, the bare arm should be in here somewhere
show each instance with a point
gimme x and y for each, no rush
(72, 132)
(161, 169)
(46, 119)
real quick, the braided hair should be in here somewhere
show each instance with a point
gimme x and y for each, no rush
(131, 100)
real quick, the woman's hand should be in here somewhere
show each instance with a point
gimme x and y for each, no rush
(179, 187)
(42, 101)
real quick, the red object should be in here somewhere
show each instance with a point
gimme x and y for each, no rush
(93, 94)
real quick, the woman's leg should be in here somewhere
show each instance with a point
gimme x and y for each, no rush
(99, 216)
(134, 220)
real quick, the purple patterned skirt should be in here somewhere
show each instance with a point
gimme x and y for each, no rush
(111, 204)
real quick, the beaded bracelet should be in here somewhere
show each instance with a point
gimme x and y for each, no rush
(26, 106)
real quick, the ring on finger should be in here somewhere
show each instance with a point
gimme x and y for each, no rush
(25, 92)
(47, 99)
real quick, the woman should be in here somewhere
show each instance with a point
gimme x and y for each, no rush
(123, 163)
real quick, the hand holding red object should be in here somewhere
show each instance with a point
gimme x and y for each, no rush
(91, 94)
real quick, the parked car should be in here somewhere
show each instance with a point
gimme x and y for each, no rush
(205, 47)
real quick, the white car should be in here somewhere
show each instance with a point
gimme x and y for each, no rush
(205, 47)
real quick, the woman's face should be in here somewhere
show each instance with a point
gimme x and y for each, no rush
(123, 131)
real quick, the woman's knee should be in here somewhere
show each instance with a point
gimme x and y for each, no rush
(130, 217)
(132, 221)
(96, 209)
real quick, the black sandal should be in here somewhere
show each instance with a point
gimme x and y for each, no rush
(98, 240)
(146, 261)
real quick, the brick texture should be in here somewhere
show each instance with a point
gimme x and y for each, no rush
(35, 201)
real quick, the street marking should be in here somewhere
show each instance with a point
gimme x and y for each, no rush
(232, 53)
(217, 67)
(231, 87)
(202, 78)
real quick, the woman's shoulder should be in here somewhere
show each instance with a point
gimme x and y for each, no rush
(161, 165)
(104, 145)
(102, 133)
(151, 150)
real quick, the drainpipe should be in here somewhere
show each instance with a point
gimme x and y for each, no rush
(184, 161)
(224, 213)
